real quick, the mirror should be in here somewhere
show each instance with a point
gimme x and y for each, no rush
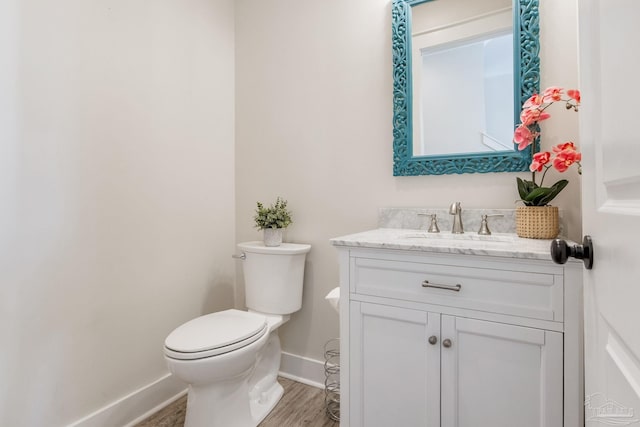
(460, 80)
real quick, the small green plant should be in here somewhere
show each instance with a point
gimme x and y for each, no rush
(275, 216)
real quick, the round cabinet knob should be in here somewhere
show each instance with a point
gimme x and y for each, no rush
(433, 340)
(446, 343)
(561, 251)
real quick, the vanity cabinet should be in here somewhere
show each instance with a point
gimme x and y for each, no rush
(420, 368)
(455, 340)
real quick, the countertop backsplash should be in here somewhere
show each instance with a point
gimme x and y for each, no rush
(409, 218)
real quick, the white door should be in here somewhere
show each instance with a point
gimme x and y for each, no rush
(395, 368)
(500, 375)
(609, 36)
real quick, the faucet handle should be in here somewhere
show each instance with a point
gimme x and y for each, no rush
(433, 228)
(484, 225)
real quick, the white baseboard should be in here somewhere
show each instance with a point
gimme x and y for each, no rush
(136, 406)
(302, 369)
(140, 404)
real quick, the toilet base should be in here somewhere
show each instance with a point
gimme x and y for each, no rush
(265, 390)
(222, 405)
(262, 405)
(243, 400)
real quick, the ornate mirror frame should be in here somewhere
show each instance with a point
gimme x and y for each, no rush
(526, 79)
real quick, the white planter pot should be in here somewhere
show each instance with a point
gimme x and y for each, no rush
(272, 236)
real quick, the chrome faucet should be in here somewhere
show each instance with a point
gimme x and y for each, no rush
(456, 211)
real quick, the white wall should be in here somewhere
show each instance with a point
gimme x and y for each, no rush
(559, 67)
(314, 109)
(116, 194)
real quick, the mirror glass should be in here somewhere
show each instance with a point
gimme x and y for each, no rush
(459, 82)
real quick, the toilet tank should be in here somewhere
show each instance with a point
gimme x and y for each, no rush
(273, 276)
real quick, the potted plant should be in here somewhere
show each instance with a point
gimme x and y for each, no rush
(537, 219)
(273, 220)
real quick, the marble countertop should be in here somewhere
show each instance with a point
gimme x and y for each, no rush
(498, 244)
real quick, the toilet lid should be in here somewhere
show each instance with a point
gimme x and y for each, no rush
(215, 333)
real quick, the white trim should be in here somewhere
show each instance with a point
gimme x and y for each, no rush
(498, 12)
(136, 406)
(302, 369)
(625, 362)
(151, 398)
(493, 143)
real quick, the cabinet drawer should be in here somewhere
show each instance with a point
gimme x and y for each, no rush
(523, 293)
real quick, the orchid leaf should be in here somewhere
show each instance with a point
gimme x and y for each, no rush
(525, 187)
(554, 190)
(533, 195)
(536, 195)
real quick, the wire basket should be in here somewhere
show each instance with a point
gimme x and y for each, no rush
(332, 378)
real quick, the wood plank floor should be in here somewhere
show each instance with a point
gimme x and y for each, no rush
(300, 406)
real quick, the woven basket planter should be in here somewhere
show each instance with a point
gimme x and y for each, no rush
(537, 222)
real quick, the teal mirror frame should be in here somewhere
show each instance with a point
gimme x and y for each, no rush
(526, 48)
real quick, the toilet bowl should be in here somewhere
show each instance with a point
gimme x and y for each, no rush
(231, 358)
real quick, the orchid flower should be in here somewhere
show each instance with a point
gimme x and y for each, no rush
(562, 156)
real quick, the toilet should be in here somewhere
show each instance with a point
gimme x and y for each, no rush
(231, 358)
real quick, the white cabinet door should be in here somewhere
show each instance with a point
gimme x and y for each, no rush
(395, 371)
(500, 375)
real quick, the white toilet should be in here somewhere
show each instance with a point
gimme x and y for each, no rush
(231, 358)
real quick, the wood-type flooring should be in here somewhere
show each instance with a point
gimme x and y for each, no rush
(300, 406)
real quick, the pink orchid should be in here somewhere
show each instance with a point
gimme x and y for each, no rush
(562, 155)
(534, 101)
(539, 160)
(532, 115)
(574, 94)
(566, 158)
(564, 146)
(552, 94)
(523, 137)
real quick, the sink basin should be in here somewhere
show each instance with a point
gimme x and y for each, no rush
(466, 237)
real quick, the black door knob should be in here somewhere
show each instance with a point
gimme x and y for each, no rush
(561, 251)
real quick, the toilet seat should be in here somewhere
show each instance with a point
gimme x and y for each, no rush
(215, 334)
